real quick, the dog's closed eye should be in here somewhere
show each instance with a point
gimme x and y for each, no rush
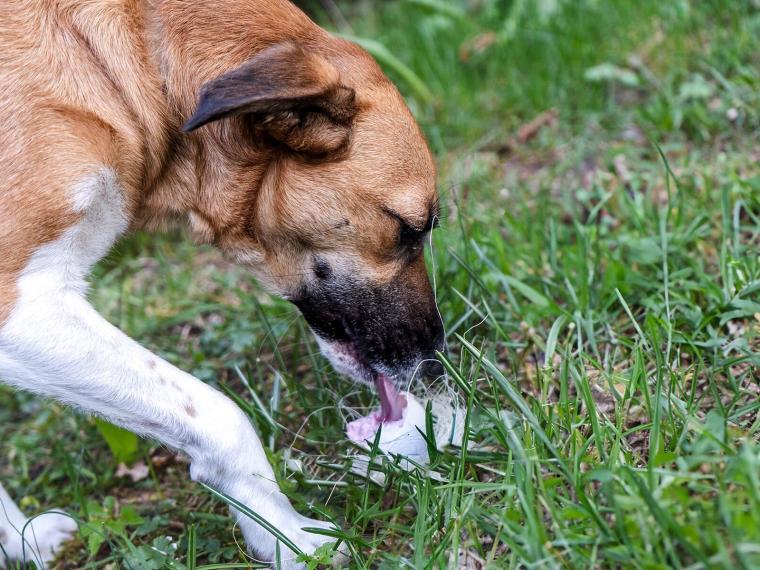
(411, 234)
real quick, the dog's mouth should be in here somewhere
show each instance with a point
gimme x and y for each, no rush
(347, 360)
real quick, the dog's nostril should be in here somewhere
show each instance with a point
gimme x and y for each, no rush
(431, 368)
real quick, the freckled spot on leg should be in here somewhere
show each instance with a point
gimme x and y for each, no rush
(176, 386)
(151, 427)
(190, 409)
(151, 363)
(161, 380)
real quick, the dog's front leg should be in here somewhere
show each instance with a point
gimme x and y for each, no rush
(57, 345)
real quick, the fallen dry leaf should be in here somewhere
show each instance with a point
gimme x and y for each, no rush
(137, 472)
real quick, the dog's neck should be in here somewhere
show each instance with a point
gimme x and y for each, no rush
(191, 180)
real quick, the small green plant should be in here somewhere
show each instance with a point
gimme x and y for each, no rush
(124, 445)
(107, 522)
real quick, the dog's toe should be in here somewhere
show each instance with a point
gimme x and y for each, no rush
(48, 532)
(309, 542)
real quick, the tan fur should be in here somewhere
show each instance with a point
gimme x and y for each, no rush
(93, 83)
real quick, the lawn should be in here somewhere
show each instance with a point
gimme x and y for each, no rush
(598, 270)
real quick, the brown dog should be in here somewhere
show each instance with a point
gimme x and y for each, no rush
(301, 161)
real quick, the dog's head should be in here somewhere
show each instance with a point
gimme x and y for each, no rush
(337, 191)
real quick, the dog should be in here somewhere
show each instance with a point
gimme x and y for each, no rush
(282, 145)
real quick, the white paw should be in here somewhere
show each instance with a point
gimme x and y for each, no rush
(308, 542)
(292, 527)
(42, 538)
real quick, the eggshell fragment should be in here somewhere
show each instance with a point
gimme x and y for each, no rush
(402, 437)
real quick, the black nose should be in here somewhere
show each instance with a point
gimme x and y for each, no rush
(431, 369)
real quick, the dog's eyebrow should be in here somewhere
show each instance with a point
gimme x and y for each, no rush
(413, 228)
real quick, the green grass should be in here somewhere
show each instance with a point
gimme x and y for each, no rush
(600, 282)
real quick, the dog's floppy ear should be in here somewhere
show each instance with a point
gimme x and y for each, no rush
(295, 95)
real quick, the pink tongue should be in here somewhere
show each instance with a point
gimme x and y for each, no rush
(392, 403)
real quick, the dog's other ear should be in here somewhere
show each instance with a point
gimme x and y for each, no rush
(295, 96)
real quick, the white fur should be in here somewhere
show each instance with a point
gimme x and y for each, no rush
(55, 344)
(342, 360)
